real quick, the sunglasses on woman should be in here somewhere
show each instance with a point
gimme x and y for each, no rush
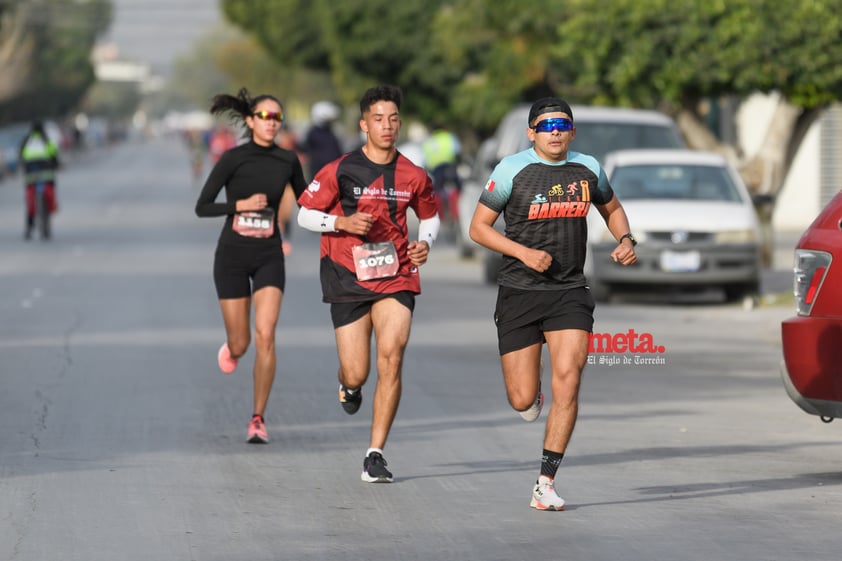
(553, 124)
(267, 115)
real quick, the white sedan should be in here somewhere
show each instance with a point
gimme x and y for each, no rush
(694, 221)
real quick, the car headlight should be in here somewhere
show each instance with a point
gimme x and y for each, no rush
(735, 236)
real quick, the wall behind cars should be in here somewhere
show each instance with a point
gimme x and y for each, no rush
(816, 172)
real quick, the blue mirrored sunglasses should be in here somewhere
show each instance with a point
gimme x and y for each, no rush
(554, 124)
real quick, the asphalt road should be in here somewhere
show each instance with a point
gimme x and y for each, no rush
(120, 439)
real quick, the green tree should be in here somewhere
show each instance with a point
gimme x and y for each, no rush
(498, 55)
(678, 54)
(468, 61)
(226, 59)
(356, 42)
(462, 62)
(15, 49)
(49, 69)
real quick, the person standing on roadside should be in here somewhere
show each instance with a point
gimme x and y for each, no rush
(249, 261)
(320, 142)
(369, 267)
(545, 193)
(442, 151)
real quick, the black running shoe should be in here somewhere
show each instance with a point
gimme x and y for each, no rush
(374, 469)
(350, 399)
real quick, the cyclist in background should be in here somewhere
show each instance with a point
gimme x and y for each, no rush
(39, 158)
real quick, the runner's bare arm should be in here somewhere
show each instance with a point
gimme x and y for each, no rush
(482, 231)
(618, 224)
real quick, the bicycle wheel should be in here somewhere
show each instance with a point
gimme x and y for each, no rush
(42, 212)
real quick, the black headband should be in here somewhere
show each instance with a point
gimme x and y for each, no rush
(548, 105)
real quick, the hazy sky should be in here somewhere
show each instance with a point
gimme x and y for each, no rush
(158, 31)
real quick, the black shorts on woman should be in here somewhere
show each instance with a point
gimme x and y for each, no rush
(241, 270)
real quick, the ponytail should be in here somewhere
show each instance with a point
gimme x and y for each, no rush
(239, 106)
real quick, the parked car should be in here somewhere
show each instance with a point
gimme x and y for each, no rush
(694, 221)
(599, 130)
(11, 137)
(812, 339)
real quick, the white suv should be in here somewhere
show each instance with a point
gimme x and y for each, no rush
(599, 130)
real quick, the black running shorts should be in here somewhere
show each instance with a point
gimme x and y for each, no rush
(522, 316)
(239, 271)
(343, 313)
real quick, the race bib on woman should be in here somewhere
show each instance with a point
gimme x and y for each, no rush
(376, 260)
(255, 223)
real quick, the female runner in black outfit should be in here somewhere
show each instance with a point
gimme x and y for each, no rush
(249, 261)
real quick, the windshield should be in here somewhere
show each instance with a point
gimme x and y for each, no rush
(597, 139)
(671, 181)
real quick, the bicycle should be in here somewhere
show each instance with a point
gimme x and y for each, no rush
(39, 210)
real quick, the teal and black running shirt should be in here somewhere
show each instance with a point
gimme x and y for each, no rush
(545, 205)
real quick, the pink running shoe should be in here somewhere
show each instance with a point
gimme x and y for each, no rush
(226, 363)
(257, 431)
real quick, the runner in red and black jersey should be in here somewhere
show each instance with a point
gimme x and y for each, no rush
(369, 266)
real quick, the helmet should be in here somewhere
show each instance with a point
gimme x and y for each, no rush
(324, 112)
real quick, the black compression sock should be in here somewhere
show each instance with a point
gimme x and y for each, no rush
(550, 462)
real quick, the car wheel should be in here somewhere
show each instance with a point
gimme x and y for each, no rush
(741, 292)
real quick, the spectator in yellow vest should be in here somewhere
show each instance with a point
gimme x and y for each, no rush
(441, 158)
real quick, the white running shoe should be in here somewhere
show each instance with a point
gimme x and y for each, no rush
(534, 410)
(544, 496)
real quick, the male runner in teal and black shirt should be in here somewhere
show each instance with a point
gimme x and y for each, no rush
(545, 193)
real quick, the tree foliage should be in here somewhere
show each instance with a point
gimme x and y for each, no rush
(56, 38)
(357, 42)
(225, 60)
(680, 51)
(468, 61)
(463, 62)
(674, 54)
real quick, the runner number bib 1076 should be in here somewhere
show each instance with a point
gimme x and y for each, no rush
(376, 260)
(255, 223)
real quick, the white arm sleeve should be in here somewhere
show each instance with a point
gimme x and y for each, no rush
(428, 230)
(316, 220)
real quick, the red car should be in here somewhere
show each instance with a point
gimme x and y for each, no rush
(812, 340)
